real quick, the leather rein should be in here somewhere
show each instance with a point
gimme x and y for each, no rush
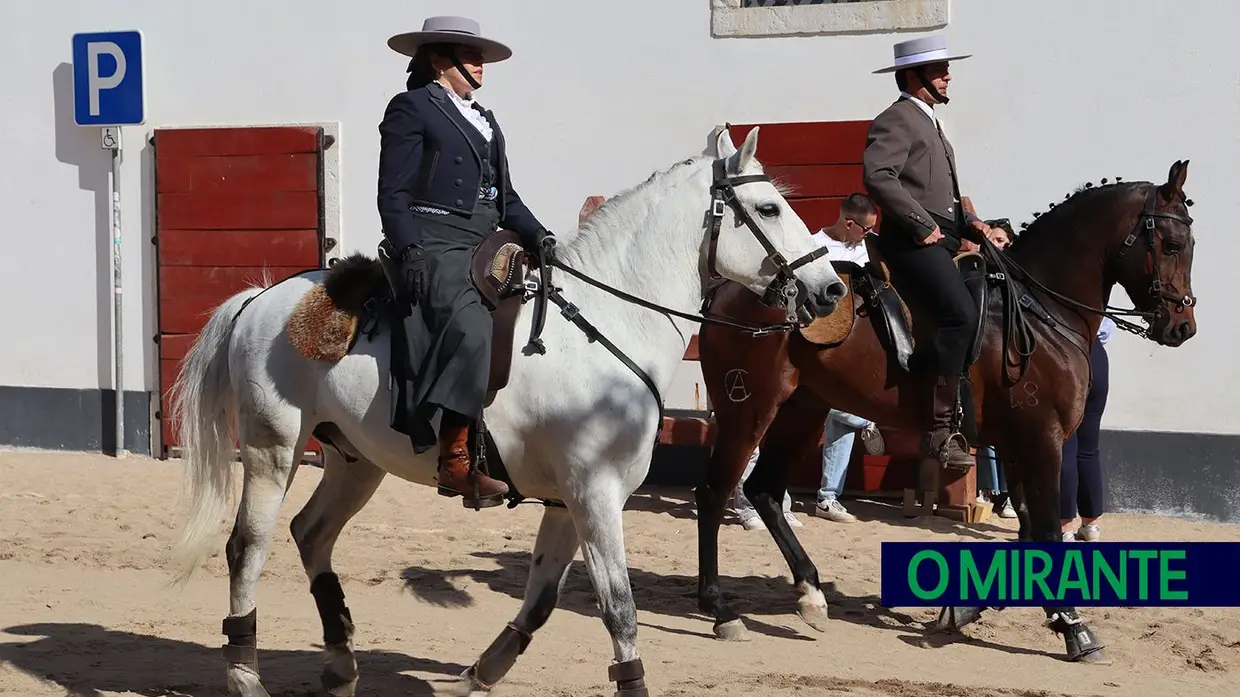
(784, 286)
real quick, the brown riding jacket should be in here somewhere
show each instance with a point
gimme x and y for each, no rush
(907, 170)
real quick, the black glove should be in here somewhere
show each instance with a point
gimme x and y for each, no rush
(544, 246)
(413, 268)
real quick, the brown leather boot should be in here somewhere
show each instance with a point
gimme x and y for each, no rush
(941, 443)
(457, 478)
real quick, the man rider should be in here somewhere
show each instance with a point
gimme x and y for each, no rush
(910, 172)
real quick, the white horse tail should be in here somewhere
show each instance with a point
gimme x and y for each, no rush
(203, 410)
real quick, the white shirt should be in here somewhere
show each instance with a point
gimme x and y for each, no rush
(843, 251)
(465, 106)
(1105, 329)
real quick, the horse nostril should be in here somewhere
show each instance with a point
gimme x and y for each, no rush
(837, 290)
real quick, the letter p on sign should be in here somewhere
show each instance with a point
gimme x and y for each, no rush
(108, 79)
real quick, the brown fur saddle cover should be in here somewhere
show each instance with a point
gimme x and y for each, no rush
(325, 323)
(354, 293)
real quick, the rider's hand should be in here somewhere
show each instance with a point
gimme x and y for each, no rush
(932, 237)
(544, 245)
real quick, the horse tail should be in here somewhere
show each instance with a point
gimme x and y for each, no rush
(201, 401)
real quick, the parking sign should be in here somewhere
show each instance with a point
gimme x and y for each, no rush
(108, 85)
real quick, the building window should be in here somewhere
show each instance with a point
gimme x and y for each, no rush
(754, 18)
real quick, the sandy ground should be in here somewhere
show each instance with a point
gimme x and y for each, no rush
(85, 610)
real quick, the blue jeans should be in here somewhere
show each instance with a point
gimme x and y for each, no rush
(837, 447)
(990, 471)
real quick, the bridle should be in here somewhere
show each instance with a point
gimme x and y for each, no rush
(785, 286)
(1146, 227)
(723, 194)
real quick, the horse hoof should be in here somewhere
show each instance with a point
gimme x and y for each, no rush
(814, 615)
(1098, 658)
(953, 618)
(334, 686)
(732, 631)
(244, 682)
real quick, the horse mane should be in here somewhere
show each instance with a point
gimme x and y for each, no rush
(1057, 212)
(616, 211)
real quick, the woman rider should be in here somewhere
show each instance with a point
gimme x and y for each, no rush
(443, 187)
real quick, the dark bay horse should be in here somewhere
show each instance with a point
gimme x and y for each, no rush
(1029, 378)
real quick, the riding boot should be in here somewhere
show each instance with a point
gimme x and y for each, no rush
(457, 476)
(941, 442)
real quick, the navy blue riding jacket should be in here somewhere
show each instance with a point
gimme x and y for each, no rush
(426, 159)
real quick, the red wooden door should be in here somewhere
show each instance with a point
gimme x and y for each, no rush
(232, 204)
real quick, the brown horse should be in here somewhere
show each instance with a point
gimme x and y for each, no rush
(1029, 373)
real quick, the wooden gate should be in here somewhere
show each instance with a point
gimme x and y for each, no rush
(233, 204)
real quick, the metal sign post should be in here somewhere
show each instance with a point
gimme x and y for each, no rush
(112, 141)
(109, 91)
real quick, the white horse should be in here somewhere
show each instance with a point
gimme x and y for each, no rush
(574, 425)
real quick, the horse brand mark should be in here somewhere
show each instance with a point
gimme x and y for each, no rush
(1028, 399)
(734, 385)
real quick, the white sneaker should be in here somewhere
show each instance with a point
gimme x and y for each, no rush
(1089, 533)
(873, 441)
(751, 520)
(834, 510)
(792, 520)
(1007, 511)
(1069, 537)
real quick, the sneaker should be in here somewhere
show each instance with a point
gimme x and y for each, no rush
(1007, 510)
(751, 520)
(1069, 537)
(792, 520)
(1089, 533)
(832, 509)
(873, 441)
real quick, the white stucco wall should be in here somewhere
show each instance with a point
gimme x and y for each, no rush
(1059, 92)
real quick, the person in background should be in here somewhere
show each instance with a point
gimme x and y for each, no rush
(991, 484)
(744, 509)
(1081, 483)
(845, 241)
(838, 439)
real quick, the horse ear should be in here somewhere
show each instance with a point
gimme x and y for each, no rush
(1175, 179)
(748, 150)
(723, 144)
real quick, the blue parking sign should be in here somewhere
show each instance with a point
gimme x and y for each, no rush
(108, 85)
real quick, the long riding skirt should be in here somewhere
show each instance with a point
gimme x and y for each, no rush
(448, 336)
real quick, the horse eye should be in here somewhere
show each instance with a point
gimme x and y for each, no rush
(1173, 247)
(768, 210)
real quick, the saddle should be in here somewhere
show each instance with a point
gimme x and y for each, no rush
(357, 295)
(875, 294)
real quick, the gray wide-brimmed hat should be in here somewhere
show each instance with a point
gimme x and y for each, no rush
(453, 30)
(921, 51)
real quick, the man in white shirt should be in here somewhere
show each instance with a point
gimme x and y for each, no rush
(845, 239)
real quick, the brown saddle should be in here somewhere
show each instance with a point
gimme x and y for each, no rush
(873, 292)
(326, 322)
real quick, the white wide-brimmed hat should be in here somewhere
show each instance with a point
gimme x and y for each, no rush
(921, 51)
(452, 30)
